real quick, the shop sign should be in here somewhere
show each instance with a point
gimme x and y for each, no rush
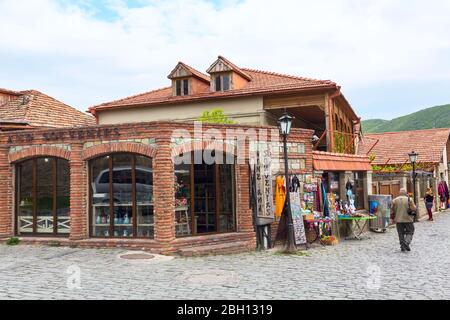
(65, 135)
(264, 192)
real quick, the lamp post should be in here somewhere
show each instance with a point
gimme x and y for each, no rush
(285, 123)
(413, 159)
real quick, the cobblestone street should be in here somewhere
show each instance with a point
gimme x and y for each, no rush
(369, 269)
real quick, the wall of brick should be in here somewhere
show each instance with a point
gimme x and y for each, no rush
(6, 193)
(154, 140)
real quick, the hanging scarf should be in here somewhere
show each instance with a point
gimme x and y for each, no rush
(326, 209)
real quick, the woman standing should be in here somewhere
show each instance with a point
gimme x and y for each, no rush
(429, 199)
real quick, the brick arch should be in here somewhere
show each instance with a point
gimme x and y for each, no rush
(116, 147)
(203, 145)
(39, 151)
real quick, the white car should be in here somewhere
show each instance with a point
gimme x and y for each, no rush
(122, 184)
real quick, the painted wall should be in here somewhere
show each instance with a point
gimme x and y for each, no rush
(243, 110)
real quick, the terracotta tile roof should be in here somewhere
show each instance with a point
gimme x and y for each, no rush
(195, 72)
(40, 110)
(395, 146)
(327, 161)
(235, 68)
(262, 83)
(7, 91)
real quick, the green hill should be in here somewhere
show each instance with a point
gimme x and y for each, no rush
(435, 117)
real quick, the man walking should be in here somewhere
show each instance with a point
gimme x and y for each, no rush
(405, 222)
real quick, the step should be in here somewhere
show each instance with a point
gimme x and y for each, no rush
(216, 249)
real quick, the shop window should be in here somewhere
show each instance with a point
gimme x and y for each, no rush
(122, 196)
(43, 197)
(204, 197)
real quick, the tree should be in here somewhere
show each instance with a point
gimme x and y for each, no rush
(215, 116)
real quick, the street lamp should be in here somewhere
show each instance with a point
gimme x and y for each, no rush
(413, 159)
(285, 123)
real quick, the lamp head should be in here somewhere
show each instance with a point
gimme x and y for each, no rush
(413, 157)
(285, 123)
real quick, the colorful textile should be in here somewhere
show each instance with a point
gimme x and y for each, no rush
(326, 209)
(280, 195)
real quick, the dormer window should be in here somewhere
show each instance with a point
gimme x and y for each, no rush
(222, 82)
(188, 81)
(182, 87)
(226, 76)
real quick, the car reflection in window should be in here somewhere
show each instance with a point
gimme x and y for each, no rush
(123, 186)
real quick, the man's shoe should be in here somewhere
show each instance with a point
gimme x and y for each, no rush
(407, 247)
(403, 249)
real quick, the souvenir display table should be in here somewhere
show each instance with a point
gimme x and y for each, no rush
(316, 225)
(356, 224)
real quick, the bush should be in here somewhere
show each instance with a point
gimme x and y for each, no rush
(13, 241)
(215, 116)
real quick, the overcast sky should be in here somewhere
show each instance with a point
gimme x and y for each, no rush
(391, 57)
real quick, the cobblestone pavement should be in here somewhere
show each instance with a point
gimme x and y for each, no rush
(368, 269)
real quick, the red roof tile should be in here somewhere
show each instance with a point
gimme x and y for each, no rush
(195, 72)
(394, 147)
(326, 161)
(262, 83)
(234, 67)
(39, 110)
(7, 91)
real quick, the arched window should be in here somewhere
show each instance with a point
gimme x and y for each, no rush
(121, 193)
(43, 196)
(204, 196)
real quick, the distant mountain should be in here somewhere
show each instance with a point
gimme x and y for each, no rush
(435, 117)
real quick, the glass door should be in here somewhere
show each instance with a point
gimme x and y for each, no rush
(205, 198)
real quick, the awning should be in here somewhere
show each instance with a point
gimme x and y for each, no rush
(326, 161)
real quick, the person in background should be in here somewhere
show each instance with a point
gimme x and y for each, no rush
(405, 222)
(429, 200)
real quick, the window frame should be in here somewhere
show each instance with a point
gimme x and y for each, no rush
(34, 196)
(182, 87)
(218, 184)
(219, 79)
(134, 205)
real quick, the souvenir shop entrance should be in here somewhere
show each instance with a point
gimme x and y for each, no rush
(204, 196)
(345, 187)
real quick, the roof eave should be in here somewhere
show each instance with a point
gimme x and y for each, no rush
(238, 95)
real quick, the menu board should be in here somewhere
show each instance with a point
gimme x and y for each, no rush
(297, 218)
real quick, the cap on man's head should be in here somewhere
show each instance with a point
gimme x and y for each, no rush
(403, 191)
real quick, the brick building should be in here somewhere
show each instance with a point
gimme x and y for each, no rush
(30, 109)
(125, 181)
(82, 160)
(389, 153)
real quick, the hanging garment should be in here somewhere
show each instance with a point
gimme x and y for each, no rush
(443, 191)
(349, 185)
(326, 209)
(319, 197)
(280, 195)
(295, 184)
(446, 190)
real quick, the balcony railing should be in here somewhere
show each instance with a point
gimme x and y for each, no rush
(338, 142)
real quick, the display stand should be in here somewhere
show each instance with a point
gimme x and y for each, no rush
(356, 226)
(182, 223)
